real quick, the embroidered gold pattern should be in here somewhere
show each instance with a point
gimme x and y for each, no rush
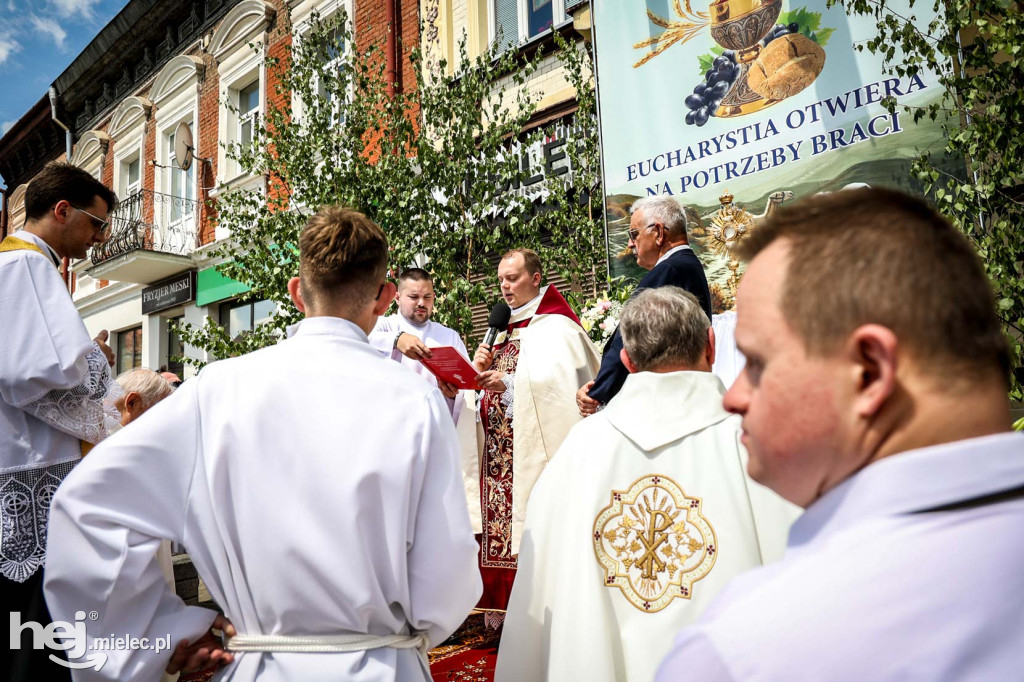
(496, 484)
(654, 543)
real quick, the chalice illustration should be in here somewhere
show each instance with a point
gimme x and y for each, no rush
(740, 25)
(742, 28)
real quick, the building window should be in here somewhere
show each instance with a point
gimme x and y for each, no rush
(129, 349)
(130, 182)
(248, 112)
(333, 63)
(238, 318)
(132, 176)
(175, 348)
(516, 21)
(182, 185)
(539, 16)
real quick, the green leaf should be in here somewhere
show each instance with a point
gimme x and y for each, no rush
(823, 35)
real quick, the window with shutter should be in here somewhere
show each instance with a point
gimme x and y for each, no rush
(506, 22)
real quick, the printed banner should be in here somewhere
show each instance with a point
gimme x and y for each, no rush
(734, 107)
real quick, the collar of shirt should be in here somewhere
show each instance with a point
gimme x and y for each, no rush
(674, 249)
(527, 309)
(916, 481)
(635, 411)
(330, 326)
(40, 242)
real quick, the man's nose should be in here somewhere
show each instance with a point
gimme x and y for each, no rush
(737, 398)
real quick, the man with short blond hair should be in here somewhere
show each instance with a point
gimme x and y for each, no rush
(654, 512)
(530, 376)
(874, 395)
(315, 483)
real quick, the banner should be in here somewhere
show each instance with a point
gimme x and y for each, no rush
(737, 106)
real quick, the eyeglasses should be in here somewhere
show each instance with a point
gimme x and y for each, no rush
(98, 224)
(633, 234)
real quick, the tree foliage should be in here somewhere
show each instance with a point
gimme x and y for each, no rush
(977, 48)
(436, 166)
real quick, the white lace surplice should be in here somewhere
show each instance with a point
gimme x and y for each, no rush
(55, 389)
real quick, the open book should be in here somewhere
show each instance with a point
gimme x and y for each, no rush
(447, 364)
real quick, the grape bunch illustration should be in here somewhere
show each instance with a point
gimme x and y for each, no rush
(707, 96)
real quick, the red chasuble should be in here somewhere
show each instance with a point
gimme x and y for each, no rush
(497, 562)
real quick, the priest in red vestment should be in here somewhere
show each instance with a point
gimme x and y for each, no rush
(530, 376)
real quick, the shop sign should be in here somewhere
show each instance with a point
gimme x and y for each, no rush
(169, 293)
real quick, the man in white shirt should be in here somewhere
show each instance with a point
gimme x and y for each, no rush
(315, 484)
(408, 335)
(875, 396)
(54, 380)
(642, 516)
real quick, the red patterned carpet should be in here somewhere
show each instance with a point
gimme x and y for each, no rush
(468, 655)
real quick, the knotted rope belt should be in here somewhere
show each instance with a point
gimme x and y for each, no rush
(323, 644)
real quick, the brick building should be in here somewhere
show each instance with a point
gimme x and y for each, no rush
(162, 69)
(159, 71)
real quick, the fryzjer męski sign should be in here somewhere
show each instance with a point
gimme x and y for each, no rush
(169, 293)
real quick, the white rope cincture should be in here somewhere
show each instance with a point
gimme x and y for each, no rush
(323, 644)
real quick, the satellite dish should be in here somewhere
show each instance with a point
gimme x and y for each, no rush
(183, 146)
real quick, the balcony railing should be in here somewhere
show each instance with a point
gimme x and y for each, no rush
(150, 221)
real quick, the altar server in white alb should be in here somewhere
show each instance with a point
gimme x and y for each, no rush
(55, 383)
(315, 484)
(875, 396)
(643, 515)
(408, 335)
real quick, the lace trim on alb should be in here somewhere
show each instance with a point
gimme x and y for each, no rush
(25, 498)
(81, 411)
(507, 396)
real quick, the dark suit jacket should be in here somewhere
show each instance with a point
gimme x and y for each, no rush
(681, 269)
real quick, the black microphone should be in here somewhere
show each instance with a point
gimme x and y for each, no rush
(497, 321)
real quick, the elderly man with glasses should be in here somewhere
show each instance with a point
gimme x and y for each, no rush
(657, 233)
(54, 386)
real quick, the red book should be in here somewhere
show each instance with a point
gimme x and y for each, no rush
(447, 364)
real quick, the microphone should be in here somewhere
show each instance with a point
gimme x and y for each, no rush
(497, 321)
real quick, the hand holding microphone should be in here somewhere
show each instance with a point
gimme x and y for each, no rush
(497, 321)
(483, 358)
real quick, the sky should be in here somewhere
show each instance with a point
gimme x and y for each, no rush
(38, 40)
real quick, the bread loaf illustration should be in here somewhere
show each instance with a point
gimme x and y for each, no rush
(786, 66)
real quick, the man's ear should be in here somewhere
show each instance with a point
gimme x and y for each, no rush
(872, 351)
(132, 402)
(627, 361)
(388, 294)
(295, 291)
(61, 211)
(712, 349)
(536, 277)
